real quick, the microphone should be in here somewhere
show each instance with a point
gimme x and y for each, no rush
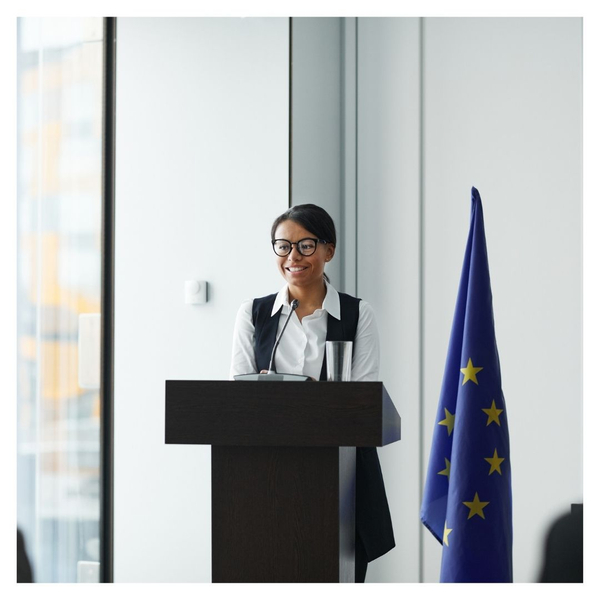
(272, 371)
(272, 374)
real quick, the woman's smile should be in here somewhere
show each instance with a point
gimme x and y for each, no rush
(298, 269)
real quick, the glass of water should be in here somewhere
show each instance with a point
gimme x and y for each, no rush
(339, 360)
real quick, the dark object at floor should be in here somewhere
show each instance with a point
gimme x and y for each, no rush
(24, 572)
(563, 556)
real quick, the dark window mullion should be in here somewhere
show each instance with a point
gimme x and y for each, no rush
(107, 319)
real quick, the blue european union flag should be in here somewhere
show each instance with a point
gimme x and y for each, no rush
(467, 503)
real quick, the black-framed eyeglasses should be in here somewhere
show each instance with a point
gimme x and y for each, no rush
(306, 246)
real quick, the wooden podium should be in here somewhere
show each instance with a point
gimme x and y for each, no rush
(283, 470)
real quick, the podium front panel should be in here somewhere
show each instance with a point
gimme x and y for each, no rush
(282, 514)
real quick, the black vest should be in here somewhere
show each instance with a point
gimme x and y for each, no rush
(373, 520)
(265, 328)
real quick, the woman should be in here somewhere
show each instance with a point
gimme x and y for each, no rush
(304, 241)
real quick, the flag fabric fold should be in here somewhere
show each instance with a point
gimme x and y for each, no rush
(467, 501)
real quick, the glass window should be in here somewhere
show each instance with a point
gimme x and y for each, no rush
(60, 79)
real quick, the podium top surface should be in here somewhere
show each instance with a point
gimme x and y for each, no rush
(241, 413)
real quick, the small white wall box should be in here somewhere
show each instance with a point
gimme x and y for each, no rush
(196, 292)
(88, 571)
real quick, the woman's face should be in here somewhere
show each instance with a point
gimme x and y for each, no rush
(299, 270)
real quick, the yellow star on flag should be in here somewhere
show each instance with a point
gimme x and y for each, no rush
(476, 507)
(446, 533)
(493, 413)
(470, 373)
(495, 462)
(446, 471)
(448, 421)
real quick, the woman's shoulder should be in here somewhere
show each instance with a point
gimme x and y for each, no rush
(245, 309)
(349, 299)
(250, 307)
(366, 318)
(363, 305)
(268, 298)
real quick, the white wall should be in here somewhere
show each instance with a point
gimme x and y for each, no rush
(323, 133)
(202, 152)
(388, 243)
(317, 95)
(202, 169)
(501, 110)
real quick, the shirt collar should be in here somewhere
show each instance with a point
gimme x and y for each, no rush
(331, 303)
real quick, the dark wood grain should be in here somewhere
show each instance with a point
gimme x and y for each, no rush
(275, 514)
(280, 413)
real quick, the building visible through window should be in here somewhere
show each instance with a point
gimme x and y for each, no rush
(60, 79)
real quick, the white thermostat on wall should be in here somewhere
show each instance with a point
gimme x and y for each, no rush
(196, 292)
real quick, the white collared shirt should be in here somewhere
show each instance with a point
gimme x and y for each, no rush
(302, 347)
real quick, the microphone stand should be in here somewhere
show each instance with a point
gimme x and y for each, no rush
(272, 370)
(272, 374)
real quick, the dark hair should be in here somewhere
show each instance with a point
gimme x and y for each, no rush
(313, 218)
